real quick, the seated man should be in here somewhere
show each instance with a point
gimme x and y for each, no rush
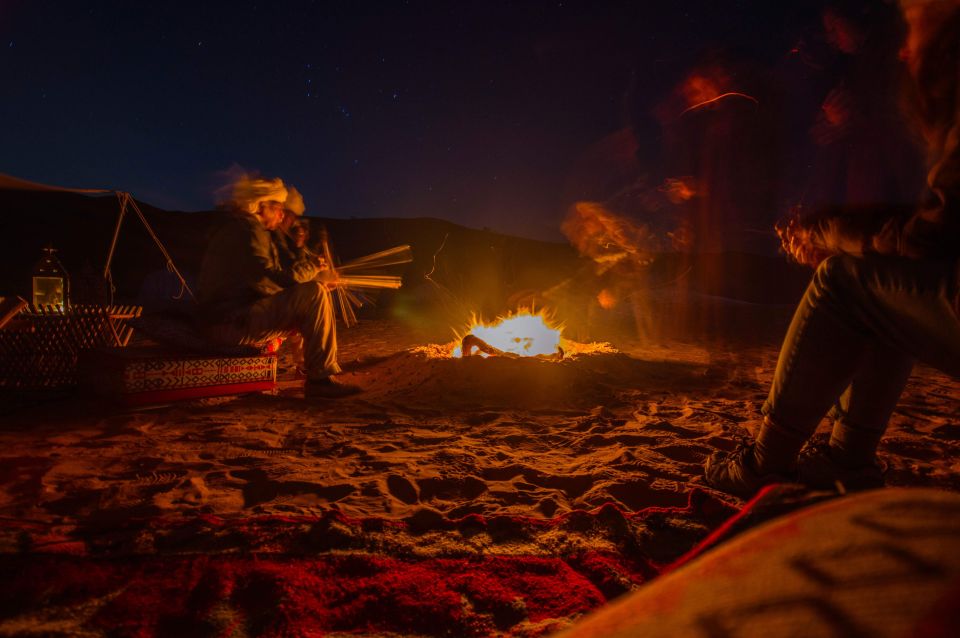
(290, 237)
(247, 298)
(886, 293)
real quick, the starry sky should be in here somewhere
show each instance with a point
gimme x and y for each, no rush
(473, 112)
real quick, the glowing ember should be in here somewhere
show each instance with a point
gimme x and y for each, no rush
(523, 334)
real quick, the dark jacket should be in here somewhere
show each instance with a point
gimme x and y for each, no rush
(239, 267)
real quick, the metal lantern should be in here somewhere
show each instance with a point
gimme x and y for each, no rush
(51, 283)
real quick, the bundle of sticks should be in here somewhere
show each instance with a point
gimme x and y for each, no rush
(364, 273)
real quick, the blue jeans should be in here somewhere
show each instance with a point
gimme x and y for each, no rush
(852, 343)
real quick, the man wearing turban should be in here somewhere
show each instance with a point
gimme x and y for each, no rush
(246, 296)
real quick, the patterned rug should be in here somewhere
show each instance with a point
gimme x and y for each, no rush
(424, 575)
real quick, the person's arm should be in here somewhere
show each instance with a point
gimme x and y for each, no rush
(811, 239)
(326, 274)
(305, 267)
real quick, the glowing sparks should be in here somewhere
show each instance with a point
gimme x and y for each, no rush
(716, 99)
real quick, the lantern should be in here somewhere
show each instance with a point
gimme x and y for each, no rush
(51, 284)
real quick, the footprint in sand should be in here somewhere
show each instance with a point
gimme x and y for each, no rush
(913, 449)
(572, 486)
(481, 418)
(504, 473)
(451, 488)
(260, 489)
(192, 492)
(692, 454)
(548, 507)
(668, 428)
(638, 495)
(402, 489)
(382, 426)
(595, 441)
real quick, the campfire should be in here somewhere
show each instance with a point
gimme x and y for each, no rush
(520, 334)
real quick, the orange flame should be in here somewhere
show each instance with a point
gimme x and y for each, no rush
(524, 334)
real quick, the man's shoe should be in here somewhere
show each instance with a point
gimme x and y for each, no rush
(328, 389)
(735, 473)
(817, 468)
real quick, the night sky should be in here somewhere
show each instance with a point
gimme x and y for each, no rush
(474, 112)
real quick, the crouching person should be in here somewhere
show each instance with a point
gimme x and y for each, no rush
(886, 293)
(246, 297)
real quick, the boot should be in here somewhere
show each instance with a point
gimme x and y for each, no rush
(770, 459)
(848, 464)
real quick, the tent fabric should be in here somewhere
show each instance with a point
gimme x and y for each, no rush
(9, 182)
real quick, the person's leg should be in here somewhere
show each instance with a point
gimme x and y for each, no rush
(860, 419)
(852, 308)
(862, 413)
(308, 309)
(855, 333)
(819, 358)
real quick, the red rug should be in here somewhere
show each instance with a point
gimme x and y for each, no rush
(308, 576)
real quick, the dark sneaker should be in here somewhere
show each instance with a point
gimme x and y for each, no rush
(328, 389)
(817, 469)
(734, 473)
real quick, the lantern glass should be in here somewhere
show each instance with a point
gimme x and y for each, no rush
(50, 281)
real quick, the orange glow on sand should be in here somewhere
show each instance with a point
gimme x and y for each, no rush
(523, 334)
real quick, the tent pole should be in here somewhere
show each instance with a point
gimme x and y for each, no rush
(126, 200)
(116, 233)
(170, 265)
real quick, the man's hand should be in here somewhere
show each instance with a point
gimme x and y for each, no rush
(327, 275)
(803, 240)
(809, 239)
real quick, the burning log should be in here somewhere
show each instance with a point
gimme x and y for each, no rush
(471, 342)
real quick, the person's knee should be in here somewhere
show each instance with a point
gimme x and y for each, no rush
(834, 275)
(309, 291)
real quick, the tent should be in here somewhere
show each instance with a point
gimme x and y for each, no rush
(125, 202)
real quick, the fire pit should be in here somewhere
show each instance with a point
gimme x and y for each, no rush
(497, 366)
(522, 334)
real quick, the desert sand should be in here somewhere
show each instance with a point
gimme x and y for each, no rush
(579, 479)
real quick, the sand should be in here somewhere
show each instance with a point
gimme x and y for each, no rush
(431, 441)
